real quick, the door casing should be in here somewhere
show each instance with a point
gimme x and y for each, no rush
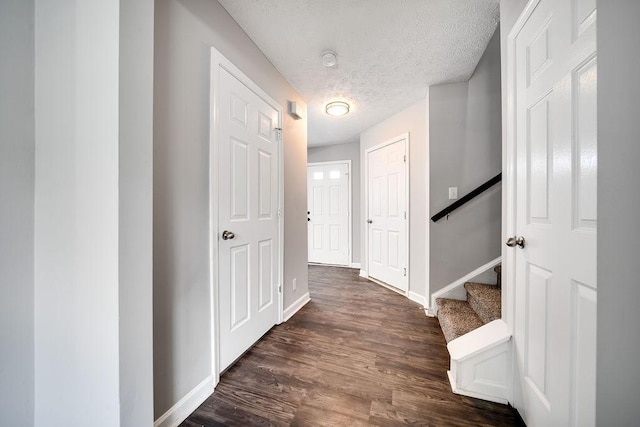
(220, 61)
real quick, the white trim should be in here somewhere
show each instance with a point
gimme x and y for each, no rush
(355, 265)
(509, 188)
(364, 274)
(220, 61)
(415, 297)
(460, 282)
(297, 305)
(427, 204)
(185, 406)
(403, 137)
(350, 196)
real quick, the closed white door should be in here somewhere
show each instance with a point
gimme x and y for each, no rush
(248, 218)
(387, 213)
(328, 213)
(555, 212)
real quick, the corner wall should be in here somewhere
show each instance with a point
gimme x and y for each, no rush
(414, 120)
(351, 152)
(618, 376)
(17, 175)
(465, 152)
(76, 258)
(135, 245)
(185, 30)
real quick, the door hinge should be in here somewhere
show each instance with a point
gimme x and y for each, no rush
(279, 288)
(405, 272)
(405, 214)
(278, 134)
(279, 212)
(405, 158)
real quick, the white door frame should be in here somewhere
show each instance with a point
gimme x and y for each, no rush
(219, 61)
(364, 273)
(350, 229)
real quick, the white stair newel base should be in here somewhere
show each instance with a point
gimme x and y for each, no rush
(481, 363)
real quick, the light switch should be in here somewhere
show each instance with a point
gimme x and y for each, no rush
(453, 193)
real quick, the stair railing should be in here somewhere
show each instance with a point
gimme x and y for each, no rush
(455, 205)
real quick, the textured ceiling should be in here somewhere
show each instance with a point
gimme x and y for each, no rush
(389, 52)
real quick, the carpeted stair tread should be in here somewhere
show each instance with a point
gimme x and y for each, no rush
(485, 300)
(456, 318)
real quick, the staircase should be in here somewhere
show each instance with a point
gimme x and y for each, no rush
(478, 341)
(483, 305)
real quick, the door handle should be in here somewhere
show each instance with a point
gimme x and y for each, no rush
(369, 221)
(227, 235)
(308, 219)
(515, 241)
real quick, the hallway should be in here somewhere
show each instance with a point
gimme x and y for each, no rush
(357, 354)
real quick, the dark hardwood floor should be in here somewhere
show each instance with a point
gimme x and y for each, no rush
(357, 354)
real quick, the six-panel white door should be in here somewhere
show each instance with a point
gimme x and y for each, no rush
(248, 208)
(387, 213)
(328, 213)
(556, 170)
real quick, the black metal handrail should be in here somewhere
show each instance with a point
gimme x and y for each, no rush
(455, 205)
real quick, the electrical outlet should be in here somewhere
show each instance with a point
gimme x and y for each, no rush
(295, 284)
(453, 193)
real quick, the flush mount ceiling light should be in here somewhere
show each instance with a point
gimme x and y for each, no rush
(329, 58)
(337, 108)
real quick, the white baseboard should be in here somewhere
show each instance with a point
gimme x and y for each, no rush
(355, 265)
(415, 297)
(185, 406)
(297, 305)
(455, 289)
(364, 274)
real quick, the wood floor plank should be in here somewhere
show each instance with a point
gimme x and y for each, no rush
(357, 354)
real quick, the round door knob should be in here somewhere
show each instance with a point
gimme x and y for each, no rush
(227, 235)
(369, 221)
(515, 241)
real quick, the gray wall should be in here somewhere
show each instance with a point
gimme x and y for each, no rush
(412, 120)
(345, 152)
(135, 152)
(76, 213)
(618, 376)
(184, 32)
(17, 171)
(465, 151)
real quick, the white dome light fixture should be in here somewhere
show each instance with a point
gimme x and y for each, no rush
(337, 108)
(329, 58)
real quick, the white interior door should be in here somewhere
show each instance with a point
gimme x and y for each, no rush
(248, 224)
(328, 213)
(387, 213)
(556, 169)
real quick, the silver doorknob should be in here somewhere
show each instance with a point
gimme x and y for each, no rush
(515, 241)
(227, 235)
(369, 221)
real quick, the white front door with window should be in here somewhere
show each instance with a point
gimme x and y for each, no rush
(553, 142)
(387, 208)
(329, 200)
(248, 152)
